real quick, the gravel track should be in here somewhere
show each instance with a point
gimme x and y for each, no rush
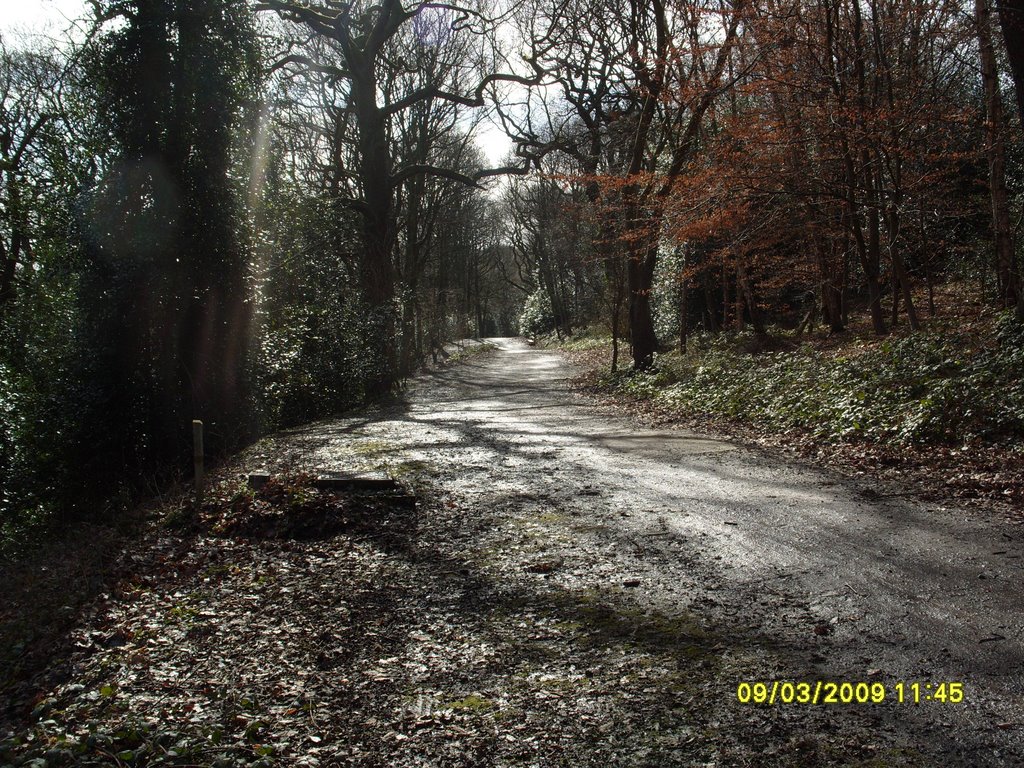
(572, 590)
(793, 574)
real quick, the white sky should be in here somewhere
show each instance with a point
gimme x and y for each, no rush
(494, 143)
(39, 16)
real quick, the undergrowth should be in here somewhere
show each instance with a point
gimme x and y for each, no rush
(923, 388)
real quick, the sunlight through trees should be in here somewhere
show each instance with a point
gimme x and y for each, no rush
(256, 214)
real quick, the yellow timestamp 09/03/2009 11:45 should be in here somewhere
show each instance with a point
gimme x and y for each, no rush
(836, 692)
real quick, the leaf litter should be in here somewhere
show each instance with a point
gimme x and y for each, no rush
(288, 626)
(451, 627)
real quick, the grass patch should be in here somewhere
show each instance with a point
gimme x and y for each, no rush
(372, 448)
(471, 703)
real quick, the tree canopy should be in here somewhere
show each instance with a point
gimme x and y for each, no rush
(256, 214)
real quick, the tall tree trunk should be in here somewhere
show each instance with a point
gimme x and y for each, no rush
(831, 293)
(739, 320)
(902, 280)
(869, 257)
(615, 340)
(1011, 19)
(874, 243)
(8, 269)
(743, 286)
(894, 286)
(869, 251)
(640, 278)
(995, 146)
(725, 297)
(682, 305)
(217, 315)
(708, 291)
(615, 282)
(893, 225)
(377, 270)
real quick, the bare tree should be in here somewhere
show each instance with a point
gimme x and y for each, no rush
(374, 50)
(633, 96)
(995, 150)
(28, 81)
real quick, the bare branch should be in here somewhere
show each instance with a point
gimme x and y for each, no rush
(309, 65)
(476, 100)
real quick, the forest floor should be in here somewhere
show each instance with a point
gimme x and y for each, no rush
(569, 589)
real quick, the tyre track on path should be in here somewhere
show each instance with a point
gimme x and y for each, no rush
(572, 591)
(800, 575)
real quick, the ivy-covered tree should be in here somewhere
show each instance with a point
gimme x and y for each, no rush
(42, 137)
(165, 289)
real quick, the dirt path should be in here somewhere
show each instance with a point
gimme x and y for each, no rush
(576, 593)
(766, 554)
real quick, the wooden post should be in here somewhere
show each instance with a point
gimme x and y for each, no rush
(197, 456)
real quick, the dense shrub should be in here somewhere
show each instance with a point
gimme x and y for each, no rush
(309, 364)
(537, 316)
(920, 388)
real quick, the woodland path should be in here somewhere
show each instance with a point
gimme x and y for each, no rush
(577, 592)
(789, 573)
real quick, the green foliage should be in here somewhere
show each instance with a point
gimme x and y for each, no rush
(309, 360)
(592, 337)
(922, 388)
(33, 430)
(537, 317)
(309, 364)
(644, 385)
(190, 259)
(37, 315)
(164, 298)
(666, 293)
